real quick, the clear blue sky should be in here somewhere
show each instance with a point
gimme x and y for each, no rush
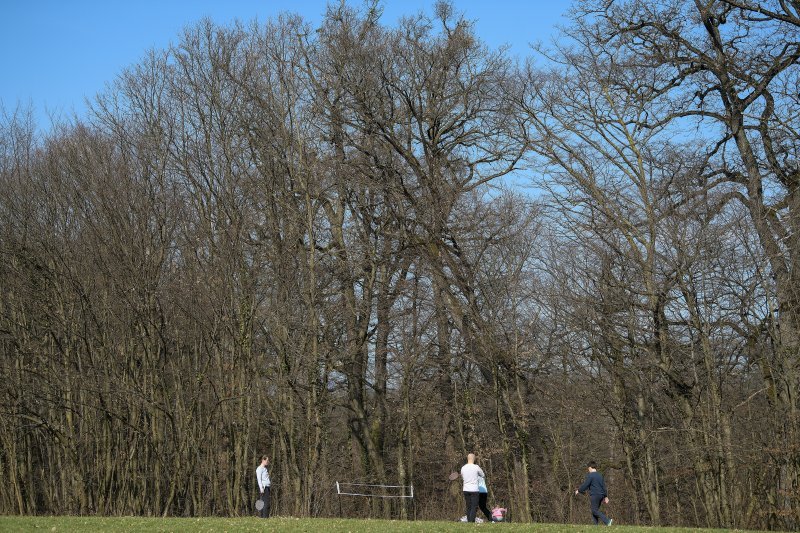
(56, 53)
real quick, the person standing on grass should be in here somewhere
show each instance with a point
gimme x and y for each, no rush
(471, 473)
(262, 476)
(596, 486)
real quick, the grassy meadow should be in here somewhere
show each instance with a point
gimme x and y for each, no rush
(232, 525)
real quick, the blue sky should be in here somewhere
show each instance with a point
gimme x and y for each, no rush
(55, 54)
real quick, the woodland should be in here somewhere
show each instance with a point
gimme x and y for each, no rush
(367, 248)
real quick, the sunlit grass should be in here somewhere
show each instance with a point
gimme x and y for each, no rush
(89, 524)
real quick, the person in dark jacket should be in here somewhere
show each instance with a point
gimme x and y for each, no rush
(595, 485)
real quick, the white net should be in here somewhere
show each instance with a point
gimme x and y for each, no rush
(368, 490)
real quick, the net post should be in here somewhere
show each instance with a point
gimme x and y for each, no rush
(413, 503)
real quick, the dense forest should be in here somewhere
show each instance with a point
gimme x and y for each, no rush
(367, 248)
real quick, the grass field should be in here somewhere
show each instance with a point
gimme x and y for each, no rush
(231, 525)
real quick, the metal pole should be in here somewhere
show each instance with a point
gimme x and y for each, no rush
(413, 503)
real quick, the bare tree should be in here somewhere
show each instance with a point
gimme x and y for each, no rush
(727, 67)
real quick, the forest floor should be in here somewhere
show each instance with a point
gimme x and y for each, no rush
(231, 525)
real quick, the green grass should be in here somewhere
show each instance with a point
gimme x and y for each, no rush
(89, 524)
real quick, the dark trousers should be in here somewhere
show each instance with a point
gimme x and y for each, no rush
(471, 498)
(597, 514)
(264, 512)
(482, 504)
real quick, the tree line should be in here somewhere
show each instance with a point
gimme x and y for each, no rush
(317, 242)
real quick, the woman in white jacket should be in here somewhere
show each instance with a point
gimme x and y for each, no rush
(262, 476)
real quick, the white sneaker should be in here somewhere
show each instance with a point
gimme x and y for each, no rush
(478, 520)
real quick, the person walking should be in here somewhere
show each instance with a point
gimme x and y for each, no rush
(595, 485)
(262, 476)
(483, 496)
(471, 474)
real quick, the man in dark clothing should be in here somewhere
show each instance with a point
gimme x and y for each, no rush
(596, 487)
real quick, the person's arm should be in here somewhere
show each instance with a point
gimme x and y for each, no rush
(584, 486)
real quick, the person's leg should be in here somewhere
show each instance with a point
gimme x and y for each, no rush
(593, 508)
(263, 512)
(597, 514)
(601, 514)
(266, 502)
(472, 505)
(482, 498)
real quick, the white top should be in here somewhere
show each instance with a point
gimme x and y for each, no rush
(262, 475)
(470, 473)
